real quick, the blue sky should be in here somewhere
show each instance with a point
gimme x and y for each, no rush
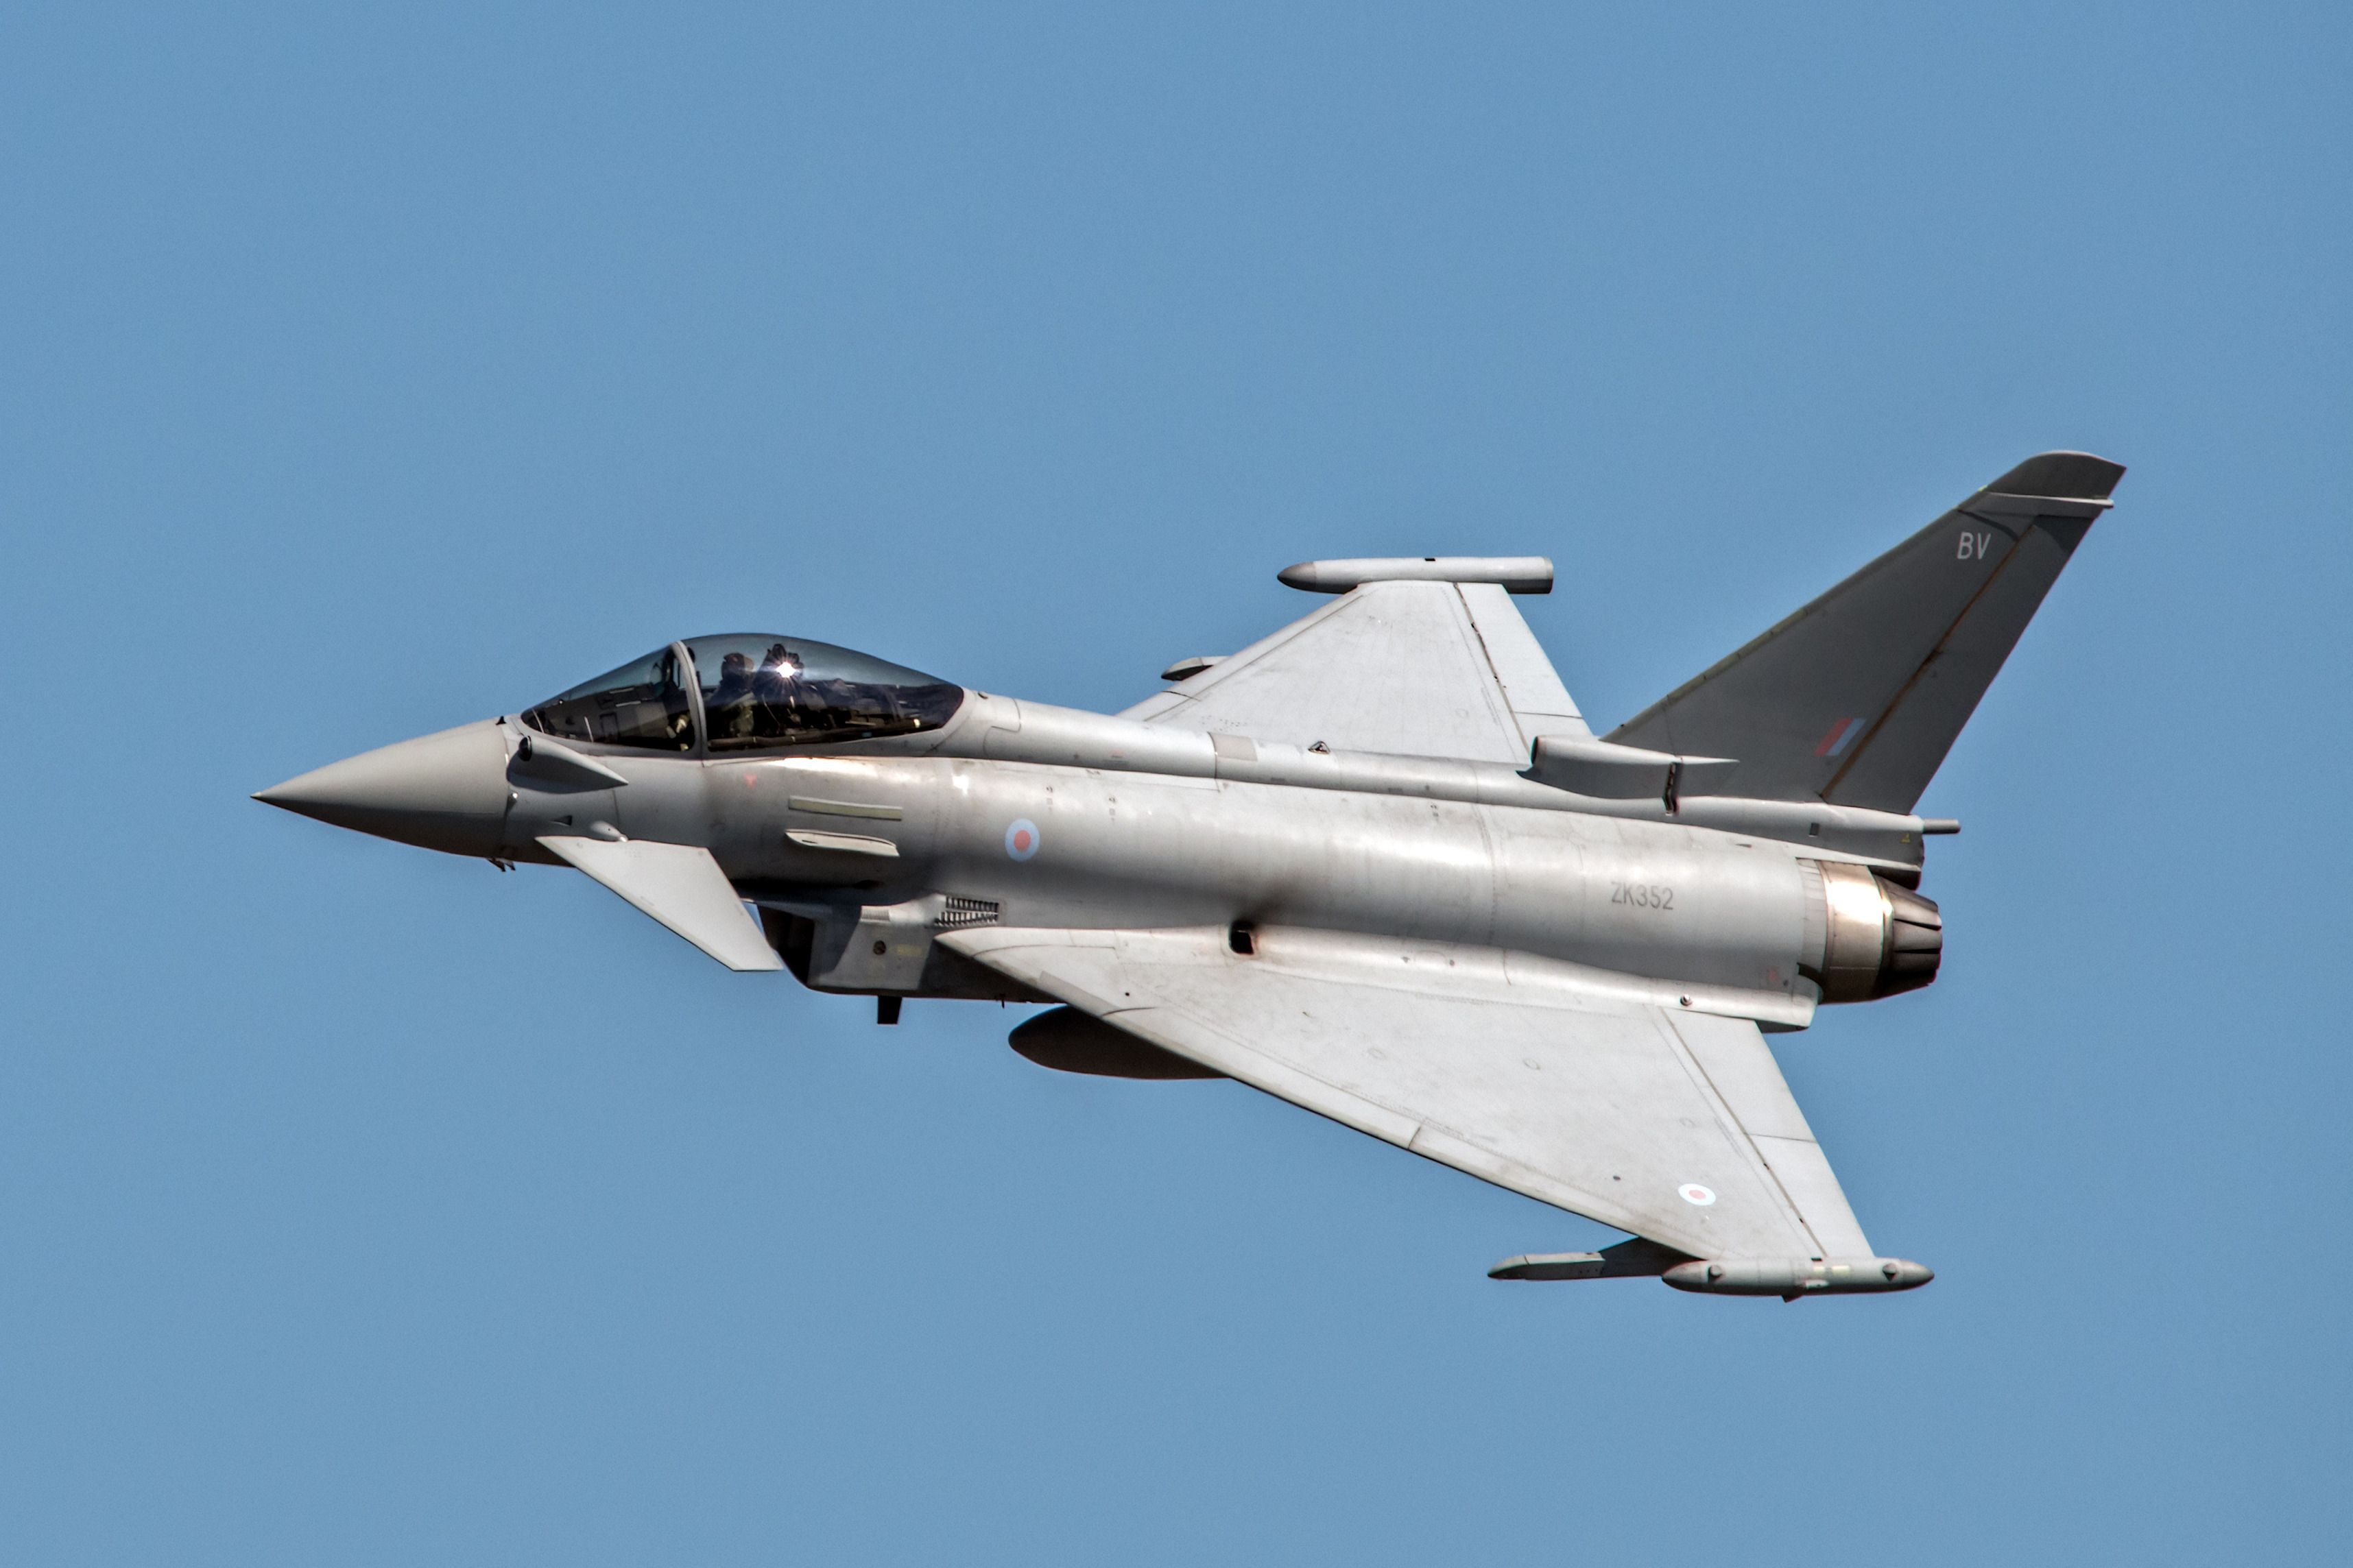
(368, 373)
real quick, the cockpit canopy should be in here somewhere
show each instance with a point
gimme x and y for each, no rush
(745, 692)
(760, 691)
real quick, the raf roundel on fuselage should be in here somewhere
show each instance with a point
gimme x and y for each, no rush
(757, 691)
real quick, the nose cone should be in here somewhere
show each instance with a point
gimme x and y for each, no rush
(442, 792)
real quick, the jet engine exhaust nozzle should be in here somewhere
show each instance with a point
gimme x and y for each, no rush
(1865, 936)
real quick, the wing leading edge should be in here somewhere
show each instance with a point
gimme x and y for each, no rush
(1579, 1089)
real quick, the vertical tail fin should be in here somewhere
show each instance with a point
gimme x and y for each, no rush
(1856, 698)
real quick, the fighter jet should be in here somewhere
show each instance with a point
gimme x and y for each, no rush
(1375, 864)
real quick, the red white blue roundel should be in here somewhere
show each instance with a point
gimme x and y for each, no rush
(1695, 1195)
(1021, 838)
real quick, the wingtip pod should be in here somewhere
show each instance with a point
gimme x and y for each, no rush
(1514, 573)
(1792, 1277)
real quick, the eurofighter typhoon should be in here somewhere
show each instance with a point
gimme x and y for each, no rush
(1375, 863)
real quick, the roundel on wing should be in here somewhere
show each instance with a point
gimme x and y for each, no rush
(1696, 1196)
(1021, 838)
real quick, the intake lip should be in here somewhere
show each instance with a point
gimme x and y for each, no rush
(445, 791)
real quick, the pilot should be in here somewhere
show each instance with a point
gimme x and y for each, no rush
(783, 694)
(728, 707)
(735, 680)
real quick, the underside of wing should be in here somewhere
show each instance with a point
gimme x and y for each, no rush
(1416, 668)
(1589, 1091)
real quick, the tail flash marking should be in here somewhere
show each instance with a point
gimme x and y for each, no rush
(1841, 732)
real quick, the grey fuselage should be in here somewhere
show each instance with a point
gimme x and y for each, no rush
(1025, 814)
